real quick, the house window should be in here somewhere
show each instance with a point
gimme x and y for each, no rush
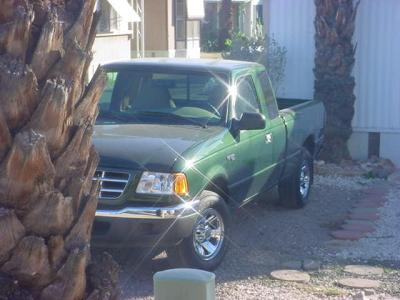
(180, 24)
(186, 31)
(259, 14)
(193, 29)
(109, 21)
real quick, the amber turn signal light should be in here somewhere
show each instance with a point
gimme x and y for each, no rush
(181, 186)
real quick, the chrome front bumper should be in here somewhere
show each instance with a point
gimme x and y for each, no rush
(171, 212)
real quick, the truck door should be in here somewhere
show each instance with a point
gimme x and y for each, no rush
(246, 171)
(272, 156)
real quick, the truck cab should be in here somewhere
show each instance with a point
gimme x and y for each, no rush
(182, 142)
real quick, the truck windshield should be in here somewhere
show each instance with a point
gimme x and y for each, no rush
(133, 96)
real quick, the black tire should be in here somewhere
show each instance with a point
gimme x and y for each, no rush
(184, 255)
(290, 190)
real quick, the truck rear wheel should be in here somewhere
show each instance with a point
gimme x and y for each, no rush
(294, 191)
(206, 246)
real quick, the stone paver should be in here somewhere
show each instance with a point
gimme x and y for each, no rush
(368, 204)
(380, 201)
(359, 227)
(364, 216)
(360, 222)
(363, 270)
(375, 191)
(359, 283)
(349, 235)
(290, 275)
(364, 210)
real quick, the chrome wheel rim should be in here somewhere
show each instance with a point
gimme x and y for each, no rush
(208, 234)
(305, 179)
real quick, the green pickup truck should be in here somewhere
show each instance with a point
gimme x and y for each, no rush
(183, 143)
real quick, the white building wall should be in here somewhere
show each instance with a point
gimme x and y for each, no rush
(109, 47)
(377, 68)
(291, 23)
(390, 147)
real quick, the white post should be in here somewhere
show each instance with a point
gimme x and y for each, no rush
(142, 29)
(184, 284)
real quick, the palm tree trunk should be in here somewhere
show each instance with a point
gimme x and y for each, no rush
(225, 23)
(47, 161)
(334, 83)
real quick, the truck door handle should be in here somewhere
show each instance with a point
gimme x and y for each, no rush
(268, 138)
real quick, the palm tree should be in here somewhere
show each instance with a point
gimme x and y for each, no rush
(334, 61)
(225, 23)
(47, 161)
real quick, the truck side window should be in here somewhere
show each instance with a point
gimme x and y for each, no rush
(105, 100)
(269, 95)
(246, 99)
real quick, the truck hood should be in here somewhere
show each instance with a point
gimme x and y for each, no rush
(147, 146)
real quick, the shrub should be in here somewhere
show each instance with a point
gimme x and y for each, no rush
(261, 49)
(209, 45)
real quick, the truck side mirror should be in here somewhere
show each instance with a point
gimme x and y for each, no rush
(251, 121)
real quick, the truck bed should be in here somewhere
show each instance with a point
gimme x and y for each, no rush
(303, 118)
(284, 103)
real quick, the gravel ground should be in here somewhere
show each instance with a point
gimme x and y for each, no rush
(384, 243)
(267, 237)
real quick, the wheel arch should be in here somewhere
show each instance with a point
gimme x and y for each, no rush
(219, 185)
(310, 145)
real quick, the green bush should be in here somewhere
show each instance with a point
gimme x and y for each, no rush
(210, 45)
(261, 49)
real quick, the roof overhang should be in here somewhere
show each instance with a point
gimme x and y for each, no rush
(233, 1)
(125, 10)
(195, 9)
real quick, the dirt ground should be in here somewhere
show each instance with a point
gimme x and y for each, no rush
(267, 237)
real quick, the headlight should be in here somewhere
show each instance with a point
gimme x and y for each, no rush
(163, 184)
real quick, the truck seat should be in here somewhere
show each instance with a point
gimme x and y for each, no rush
(153, 96)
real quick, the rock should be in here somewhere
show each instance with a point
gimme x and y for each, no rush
(379, 172)
(346, 163)
(369, 292)
(103, 276)
(364, 210)
(290, 275)
(359, 296)
(395, 177)
(311, 265)
(339, 244)
(349, 235)
(359, 227)
(292, 265)
(363, 270)
(359, 283)
(379, 168)
(359, 222)
(369, 204)
(10, 289)
(373, 159)
(364, 216)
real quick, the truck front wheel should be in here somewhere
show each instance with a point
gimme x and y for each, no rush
(206, 246)
(295, 190)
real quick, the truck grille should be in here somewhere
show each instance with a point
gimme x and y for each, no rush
(112, 184)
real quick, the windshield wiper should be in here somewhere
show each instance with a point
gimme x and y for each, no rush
(169, 114)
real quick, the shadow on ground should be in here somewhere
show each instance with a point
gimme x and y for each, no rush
(265, 237)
